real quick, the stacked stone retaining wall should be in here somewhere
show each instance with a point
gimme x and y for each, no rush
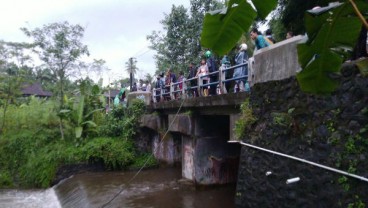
(331, 130)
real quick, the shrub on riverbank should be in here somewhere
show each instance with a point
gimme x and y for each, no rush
(26, 163)
(31, 151)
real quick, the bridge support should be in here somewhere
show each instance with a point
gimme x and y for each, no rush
(168, 149)
(209, 160)
(200, 143)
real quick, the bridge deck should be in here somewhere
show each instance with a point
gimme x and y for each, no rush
(212, 105)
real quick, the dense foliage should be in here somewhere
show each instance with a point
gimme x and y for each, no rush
(333, 32)
(291, 13)
(39, 136)
(31, 151)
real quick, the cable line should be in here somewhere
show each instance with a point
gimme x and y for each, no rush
(145, 163)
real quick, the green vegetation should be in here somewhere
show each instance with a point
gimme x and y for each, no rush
(283, 119)
(144, 160)
(245, 121)
(31, 150)
(179, 44)
(332, 35)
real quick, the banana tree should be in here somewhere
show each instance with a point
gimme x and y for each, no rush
(83, 107)
(332, 31)
(223, 28)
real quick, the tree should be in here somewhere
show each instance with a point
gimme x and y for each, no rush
(92, 70)
(82, 111)
(180, 44)
(223, 28)
(59, 47)
(291, 13)
(131, 69)
(198, 9)
(149, 78)
(13, 73)
(171, 46)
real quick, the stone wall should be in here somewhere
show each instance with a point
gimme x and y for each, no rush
(331, 130)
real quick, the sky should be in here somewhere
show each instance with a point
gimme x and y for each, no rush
(115, 30)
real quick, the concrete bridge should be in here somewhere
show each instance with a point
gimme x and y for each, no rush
(195, 131)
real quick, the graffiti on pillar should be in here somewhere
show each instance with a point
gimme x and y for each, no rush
(222, 170)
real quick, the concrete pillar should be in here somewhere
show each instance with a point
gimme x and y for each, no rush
(167, 150)
(188, 146)
(209, 160)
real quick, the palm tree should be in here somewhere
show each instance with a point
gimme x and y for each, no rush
(131, 68)
(149, 78)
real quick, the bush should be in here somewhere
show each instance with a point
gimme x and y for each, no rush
(31, 151)
(114, 153)
(144, 160)
(245, 121)
(37, 114)
(123, 122)
(32, 158)
(5, 179)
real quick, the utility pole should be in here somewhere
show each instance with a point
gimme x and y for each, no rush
(132, 67)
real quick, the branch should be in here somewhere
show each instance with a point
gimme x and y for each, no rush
(357, 12)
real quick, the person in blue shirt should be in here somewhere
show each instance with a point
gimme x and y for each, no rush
(258, 39)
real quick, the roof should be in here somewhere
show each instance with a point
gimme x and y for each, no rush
(35, 89)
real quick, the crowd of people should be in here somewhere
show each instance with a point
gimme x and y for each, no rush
(208, 65)
(141, 86)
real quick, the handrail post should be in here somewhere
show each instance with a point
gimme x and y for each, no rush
(222, 78)
(200, 83)
(183, 87)
(171, 91)
(153, 95)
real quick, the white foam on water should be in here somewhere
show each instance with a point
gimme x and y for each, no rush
(29, 199)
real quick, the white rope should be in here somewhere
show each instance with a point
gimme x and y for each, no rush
(303, 160)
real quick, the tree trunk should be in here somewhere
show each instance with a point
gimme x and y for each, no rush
(61, 106)
(61, 129)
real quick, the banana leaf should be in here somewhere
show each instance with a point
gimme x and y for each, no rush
(331, 32)
(223, 28)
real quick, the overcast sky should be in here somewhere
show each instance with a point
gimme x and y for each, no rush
(115, 29)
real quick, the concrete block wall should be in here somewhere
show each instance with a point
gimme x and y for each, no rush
(276, 62)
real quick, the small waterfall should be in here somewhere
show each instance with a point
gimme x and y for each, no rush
(29, 199)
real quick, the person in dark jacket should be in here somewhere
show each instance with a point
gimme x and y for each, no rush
(192, 73)
(159, 87)
(211, 64)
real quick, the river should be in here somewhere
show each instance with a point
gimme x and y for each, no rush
(154, 188)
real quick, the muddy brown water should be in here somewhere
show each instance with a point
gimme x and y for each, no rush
(155, 188)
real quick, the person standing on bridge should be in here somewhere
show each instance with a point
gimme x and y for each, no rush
(289, 35)
(258, 39)
(242, 71)
(159, 87)
(211, 64)
(202, 71)
(193, 83)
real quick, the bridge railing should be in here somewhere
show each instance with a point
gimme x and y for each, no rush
(183, 89)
